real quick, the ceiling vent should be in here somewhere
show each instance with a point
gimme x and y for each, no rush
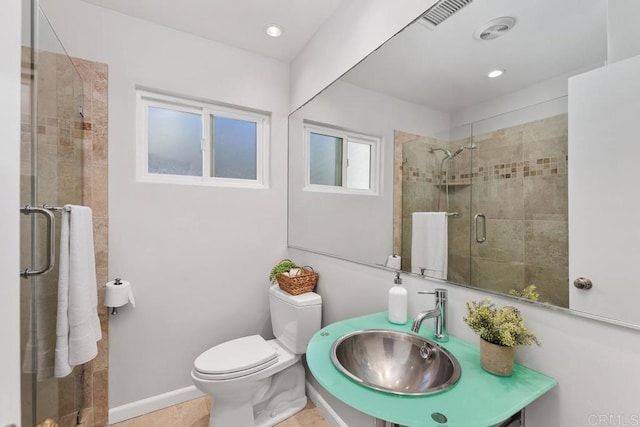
(443, 10)
(495, 28)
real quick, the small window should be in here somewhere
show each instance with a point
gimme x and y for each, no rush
(325, 159)
(189, 142)
(341, 161)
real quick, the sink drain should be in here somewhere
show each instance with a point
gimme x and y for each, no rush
(439, 418)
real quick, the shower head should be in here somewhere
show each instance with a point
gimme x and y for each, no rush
(447, 153)
(464, 147)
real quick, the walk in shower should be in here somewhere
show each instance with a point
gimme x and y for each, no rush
(503, 183)
(58, 157)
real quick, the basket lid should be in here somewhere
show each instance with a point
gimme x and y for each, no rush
(302, 300)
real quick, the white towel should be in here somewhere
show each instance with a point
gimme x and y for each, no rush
(41, 342)
(429, 244)
(78, 325)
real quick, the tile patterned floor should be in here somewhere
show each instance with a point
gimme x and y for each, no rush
(195, 413)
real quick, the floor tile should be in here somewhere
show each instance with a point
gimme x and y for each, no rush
(195, 413)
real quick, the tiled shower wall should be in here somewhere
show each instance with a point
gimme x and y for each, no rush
(72, 168)
(415, 186)
(521, 186)
(517, 177)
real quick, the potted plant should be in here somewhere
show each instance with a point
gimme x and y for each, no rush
(293, 279)
(282, 267)
(500, 331)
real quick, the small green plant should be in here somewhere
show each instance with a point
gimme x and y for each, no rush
(282, 267)
(502, 326)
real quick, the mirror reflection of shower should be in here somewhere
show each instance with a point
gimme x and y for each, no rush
(443, 175)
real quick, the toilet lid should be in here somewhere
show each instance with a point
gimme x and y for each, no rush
(242, 354)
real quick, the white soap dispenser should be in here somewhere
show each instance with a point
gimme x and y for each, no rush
(398, 302)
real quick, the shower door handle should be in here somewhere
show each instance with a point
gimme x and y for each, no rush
(51, 251)
(481, 225)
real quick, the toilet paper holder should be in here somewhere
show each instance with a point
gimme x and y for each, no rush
(118, 293)
(117, 282)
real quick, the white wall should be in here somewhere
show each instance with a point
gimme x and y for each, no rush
(197, 257)
(593, 362)
(362, 228)
(543, 99)
(9, 215)
(354, 30)
(623, 31)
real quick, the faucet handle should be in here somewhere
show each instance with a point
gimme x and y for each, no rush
(438, 292)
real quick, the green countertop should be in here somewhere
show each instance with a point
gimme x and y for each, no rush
(477, 399)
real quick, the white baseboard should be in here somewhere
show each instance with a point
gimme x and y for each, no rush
(327, 411)
(154, 403)
(161, 401)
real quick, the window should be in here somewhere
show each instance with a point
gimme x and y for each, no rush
(340, 161)
(190, 142)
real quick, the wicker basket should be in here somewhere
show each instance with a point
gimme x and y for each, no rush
(297, 285)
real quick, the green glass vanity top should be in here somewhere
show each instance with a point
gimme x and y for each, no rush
(478, 399)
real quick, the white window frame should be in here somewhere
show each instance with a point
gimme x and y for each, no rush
(375, 144)
(145, 99)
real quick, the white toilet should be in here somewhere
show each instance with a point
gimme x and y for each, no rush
(260, 383)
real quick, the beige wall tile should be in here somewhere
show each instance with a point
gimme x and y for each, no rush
(100, 398)
(87, 385)
(546, 198)
(547, 148)
(101, 235)
(100, 146)
(500, 199)
(547, 243)
(505, 241)
(402, 137)
(100, 189)
(550, 127)
(500, 150)
(499, 276)
(459, 268)
(552, 282)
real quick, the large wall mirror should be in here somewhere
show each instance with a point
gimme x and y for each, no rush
(493, 148)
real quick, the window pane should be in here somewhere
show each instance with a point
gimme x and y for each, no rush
(358, 165)
(174, 142)
(325, 159)
(234, 148)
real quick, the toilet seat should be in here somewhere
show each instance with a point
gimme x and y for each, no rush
(235, 358)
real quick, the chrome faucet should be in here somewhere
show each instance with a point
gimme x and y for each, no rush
(439, 313)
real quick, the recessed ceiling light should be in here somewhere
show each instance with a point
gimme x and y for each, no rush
(495, 73)
(274, 30)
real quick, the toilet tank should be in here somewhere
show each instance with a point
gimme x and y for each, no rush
(294, 318)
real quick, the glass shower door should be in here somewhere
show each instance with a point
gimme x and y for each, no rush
(51, 174)
(519, 242)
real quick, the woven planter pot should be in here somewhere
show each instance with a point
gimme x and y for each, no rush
(496, 359)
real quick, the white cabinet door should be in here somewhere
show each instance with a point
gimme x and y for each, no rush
(604, 190)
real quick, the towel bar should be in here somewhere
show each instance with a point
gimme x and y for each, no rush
(47, 212)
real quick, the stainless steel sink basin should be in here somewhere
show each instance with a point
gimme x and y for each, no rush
(395, 362)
